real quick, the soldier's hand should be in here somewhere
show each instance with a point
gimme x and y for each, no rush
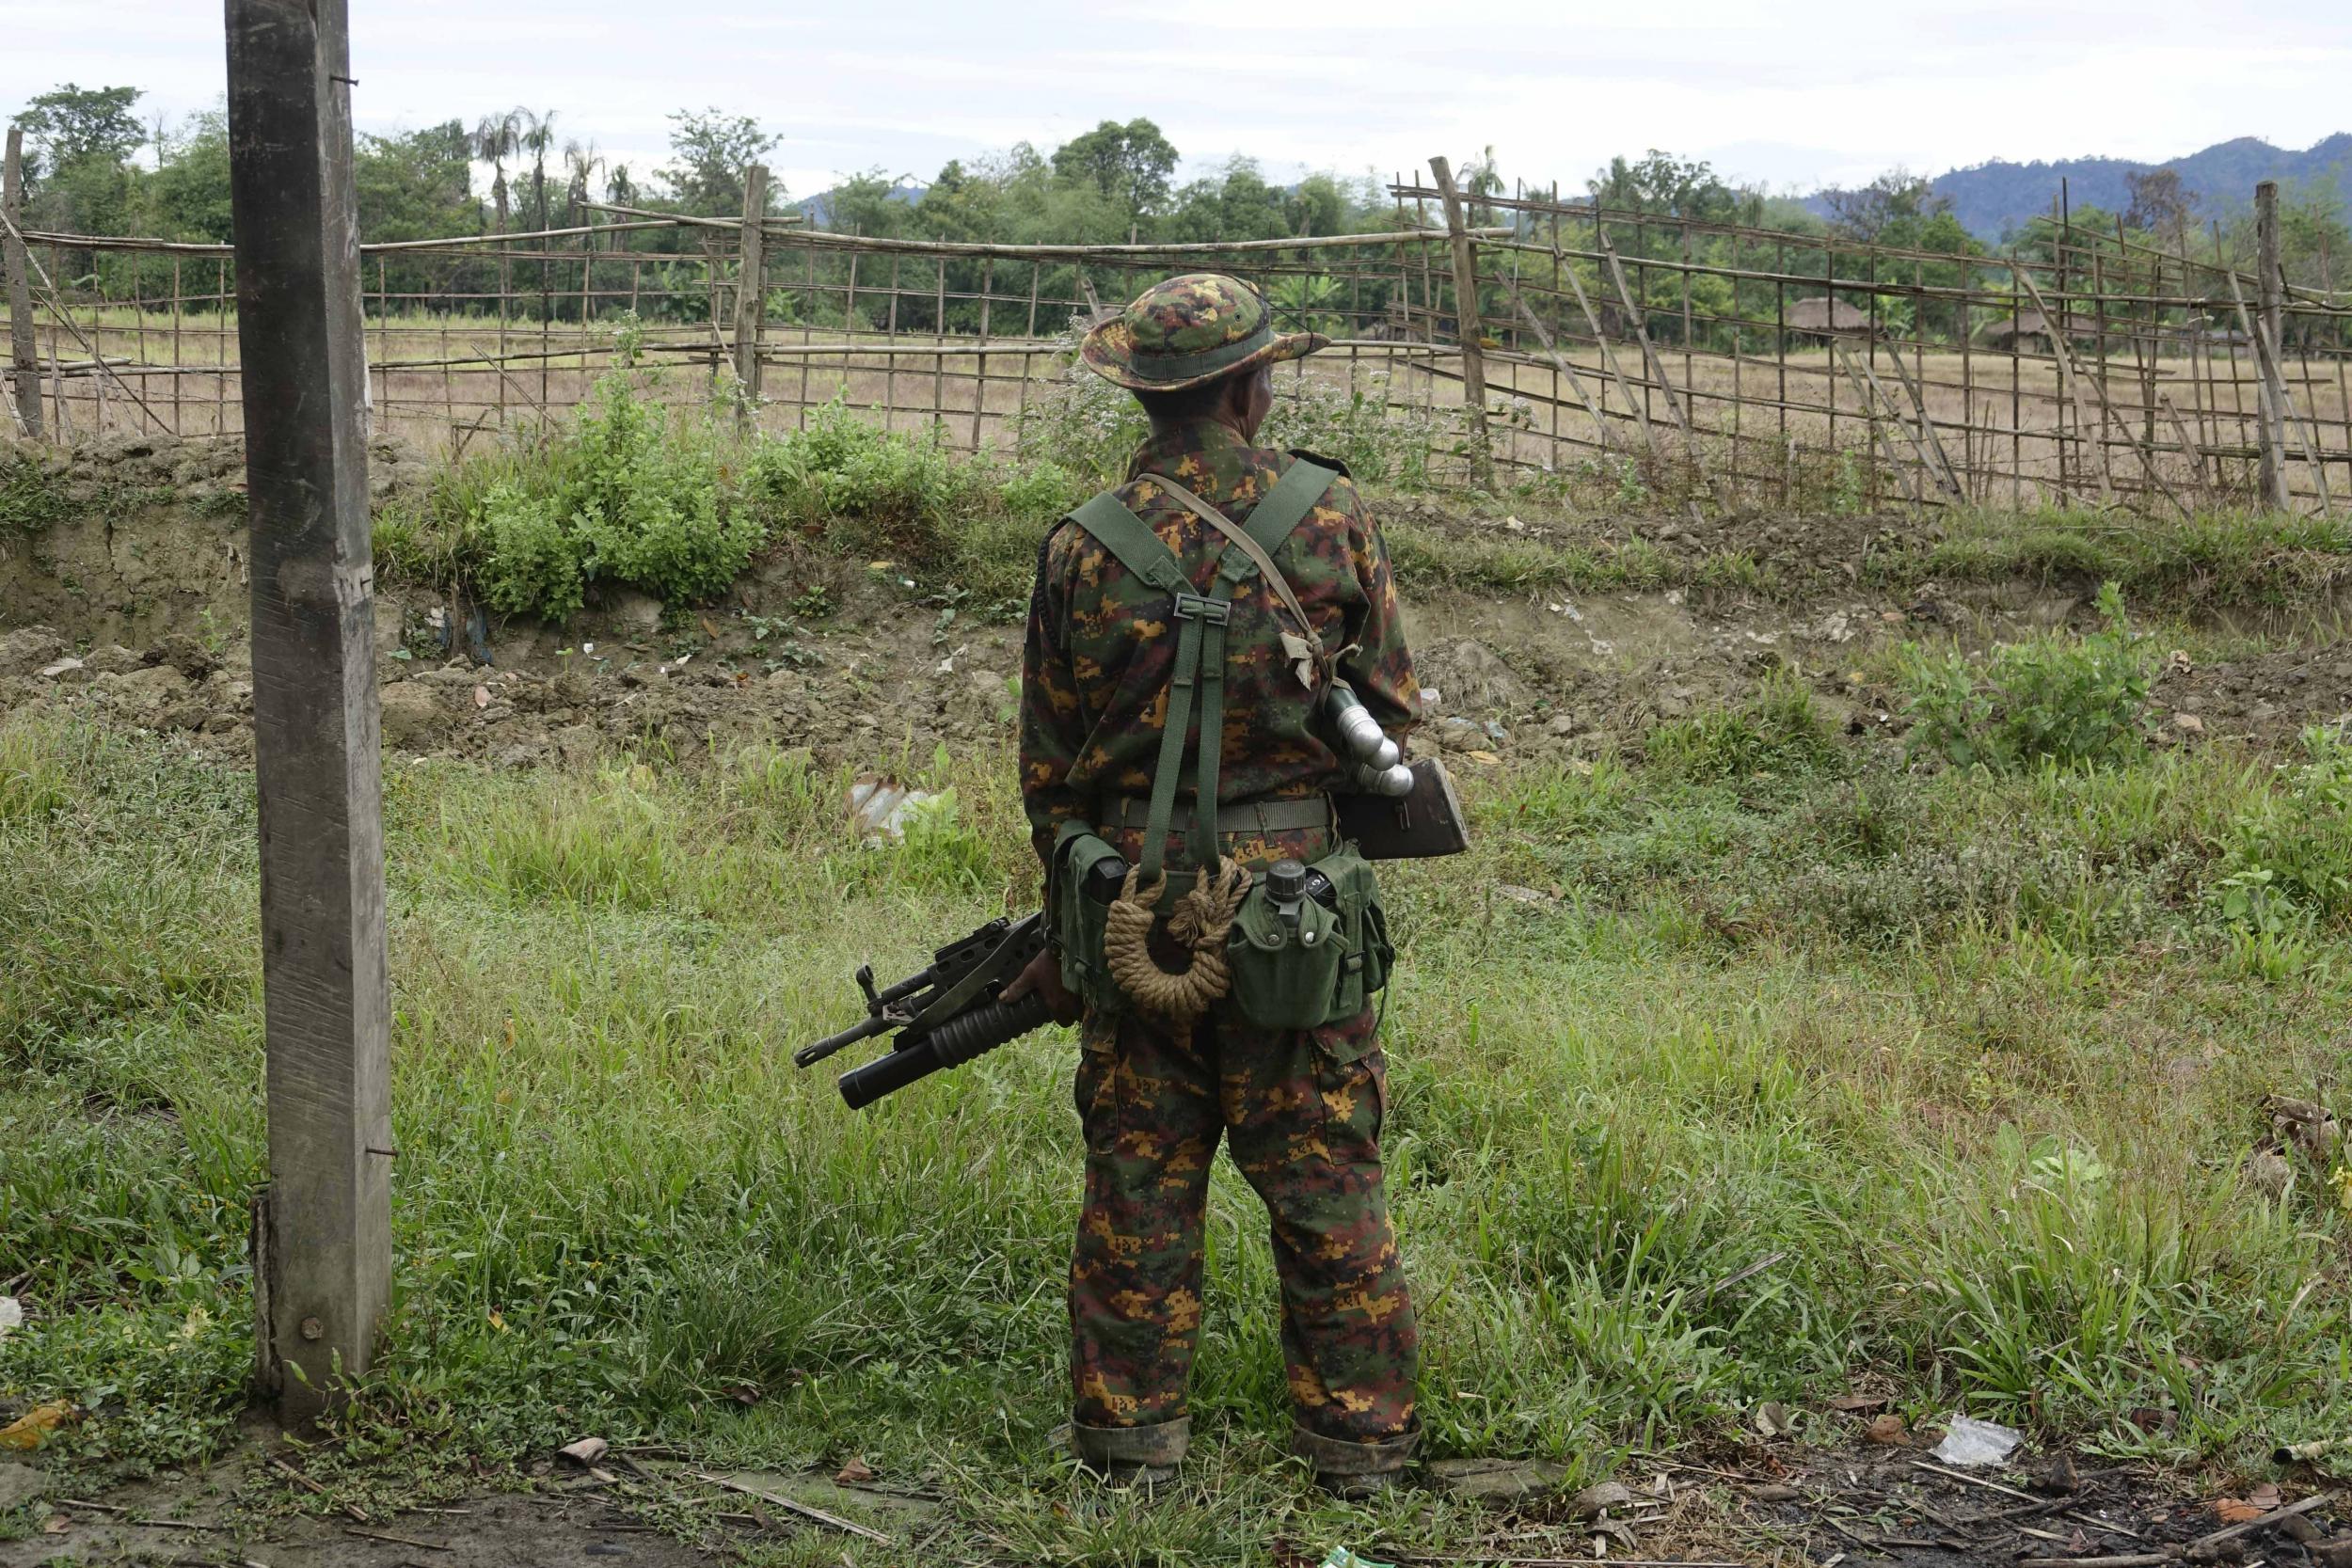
(1043, 977)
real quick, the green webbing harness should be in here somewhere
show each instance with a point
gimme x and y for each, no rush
(1202, 620)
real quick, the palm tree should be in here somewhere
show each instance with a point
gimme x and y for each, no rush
(495, 139)
(538, 136)
(581, 163)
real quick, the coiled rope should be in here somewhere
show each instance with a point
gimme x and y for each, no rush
(1202, 919)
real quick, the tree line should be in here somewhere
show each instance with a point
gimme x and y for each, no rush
(95, 166)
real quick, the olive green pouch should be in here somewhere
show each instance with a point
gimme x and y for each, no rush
(1079, 922)
(1312, 965)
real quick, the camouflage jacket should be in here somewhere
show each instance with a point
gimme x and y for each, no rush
(1094, 682)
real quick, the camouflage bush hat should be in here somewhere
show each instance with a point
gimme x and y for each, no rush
(1188, 331)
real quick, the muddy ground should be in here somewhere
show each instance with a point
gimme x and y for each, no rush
(134, 609)
(1835, 1499)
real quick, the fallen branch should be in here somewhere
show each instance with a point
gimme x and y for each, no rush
(397, 1540)
(816, 1514)
(1973, 1480)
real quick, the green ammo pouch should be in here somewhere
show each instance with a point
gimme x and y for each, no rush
(1087, 871)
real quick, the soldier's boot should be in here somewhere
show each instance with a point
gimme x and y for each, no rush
(1354, 1472)
(1133, 1456)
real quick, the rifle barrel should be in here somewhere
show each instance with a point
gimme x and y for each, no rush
(809, 1055)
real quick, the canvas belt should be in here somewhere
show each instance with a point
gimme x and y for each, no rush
(1295, 814)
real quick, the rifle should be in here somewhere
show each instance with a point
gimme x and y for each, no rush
(953, 1010)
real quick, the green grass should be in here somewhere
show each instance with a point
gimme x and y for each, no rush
(2214, 559)
(1818, 1068)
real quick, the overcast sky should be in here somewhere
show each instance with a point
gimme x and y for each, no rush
(1793, 95)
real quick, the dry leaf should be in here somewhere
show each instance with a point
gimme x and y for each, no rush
(742, 1393)
(1888, 1428)
(1772, 1418)
(855, 1473)
(30, 1429)
(56, 1524)
(2236, 1510)
(1853, 1403)
(1488, 758)
(2264, 1497)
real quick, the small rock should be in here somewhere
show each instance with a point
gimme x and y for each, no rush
(113, 659)
(19, 1484)
(21, 653)
(2298, 1527)
(2333, 1554)
(1774, 1493)
(412, 713)
(1774, 1420)
(1888, 1428)
(185, 654)
(2188, 724)
(1563, 725)
(1521, 894)
(2057, 1476)
(2268, 1172)
(1598, 1498)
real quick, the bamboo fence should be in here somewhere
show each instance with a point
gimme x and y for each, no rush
(1518, 338)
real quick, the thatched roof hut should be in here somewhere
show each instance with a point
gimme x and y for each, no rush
(1824, 317)
(2028, 329)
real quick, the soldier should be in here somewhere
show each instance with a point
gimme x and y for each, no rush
(1301, 1109)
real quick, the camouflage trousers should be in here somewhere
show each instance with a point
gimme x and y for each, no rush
(1302, 1112)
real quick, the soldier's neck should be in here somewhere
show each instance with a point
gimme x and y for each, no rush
(1222, 419)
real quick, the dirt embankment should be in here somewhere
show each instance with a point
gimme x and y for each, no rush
(133, 606)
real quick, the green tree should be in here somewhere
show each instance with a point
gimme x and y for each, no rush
(1130, 164)
(710, 150)
(70, 125)
(415, 185)
(1673, 187)
(187, 198)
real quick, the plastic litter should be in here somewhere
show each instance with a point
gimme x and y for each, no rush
(1969, 1441)
(1340, 1557)
(12, 1315)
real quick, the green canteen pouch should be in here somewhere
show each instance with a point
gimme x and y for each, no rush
(1080, 921)
(1325, 970)
(1286, 975)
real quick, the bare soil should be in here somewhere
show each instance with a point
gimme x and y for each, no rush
(134, 612)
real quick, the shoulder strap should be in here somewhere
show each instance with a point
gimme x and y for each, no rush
(1287, 504)
(1239, 537)
(1128, 537)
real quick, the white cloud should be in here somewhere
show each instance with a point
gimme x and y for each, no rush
(1824, 90)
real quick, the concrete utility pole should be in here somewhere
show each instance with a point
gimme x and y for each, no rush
(24, 351)
(1466, 323)
(751, 292)
(323, 1227)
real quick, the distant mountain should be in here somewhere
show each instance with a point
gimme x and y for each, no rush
(817, 211)
(1993, 198)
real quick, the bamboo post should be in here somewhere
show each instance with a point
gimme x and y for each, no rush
(23, 347)
(322, 1229)
(2071, 382)
(2270, 282)
(750, 295)
(1560, 364)
(1466, 323)
(1656, 369)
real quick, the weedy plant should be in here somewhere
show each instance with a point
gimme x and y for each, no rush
(2067, 701)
